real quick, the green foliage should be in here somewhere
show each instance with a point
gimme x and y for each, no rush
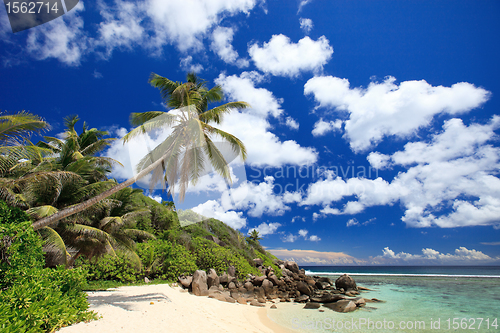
(164, 260)
(210, 255)
(161, 218)
(33, 298)
(119, 267)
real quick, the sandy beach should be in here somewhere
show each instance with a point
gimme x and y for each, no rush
(162, 308)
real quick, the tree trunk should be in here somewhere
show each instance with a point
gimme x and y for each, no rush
(52, 219)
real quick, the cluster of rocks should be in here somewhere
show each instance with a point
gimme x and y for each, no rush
(294, 285)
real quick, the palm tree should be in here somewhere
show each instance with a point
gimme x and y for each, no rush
(76, 152)
(254, 235)
(15, 147)
(15, 130)
(179, 159)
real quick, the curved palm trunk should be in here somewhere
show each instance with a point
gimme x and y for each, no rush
(52, 219)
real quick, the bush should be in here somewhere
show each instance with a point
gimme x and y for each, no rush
(109, 267)
(33, 298)
(165, 260)
(210, 255)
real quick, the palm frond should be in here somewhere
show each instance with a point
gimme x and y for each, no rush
(17, 127)
(216, 114)
(54, 244)
(41, 211)
(139, 118)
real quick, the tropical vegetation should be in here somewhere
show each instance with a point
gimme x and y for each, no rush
(65, 225)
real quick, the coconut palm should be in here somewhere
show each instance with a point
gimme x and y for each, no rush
(15, 130)
(15, 147)
(254, 235)
(76, 152)
(180, 158)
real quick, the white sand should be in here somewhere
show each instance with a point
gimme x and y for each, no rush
(129, 309)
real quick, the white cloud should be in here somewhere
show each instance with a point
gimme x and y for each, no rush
(303, 233)
(213, 209)
(461, 255)
(290, 238)
(352, 222)
(187, 65)
(281, 57)
(156, 198)
(185, 23)
(97, 75)
(385, 109)
(266, 228)
(378, 160)
(62, 39)
(450, 181)
(322, 127)
(355, 222)
(252, 127)
(302, 4)
(314, 238)
(306, 25)
(292, 123)
(221, 44)
(121, 27)
(257, 199)
(296, 218)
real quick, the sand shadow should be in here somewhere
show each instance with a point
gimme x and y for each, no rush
(123, 301)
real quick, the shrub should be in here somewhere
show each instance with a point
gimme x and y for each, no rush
(33, 298)
(109, 267)
(165, 260)
(210, 255)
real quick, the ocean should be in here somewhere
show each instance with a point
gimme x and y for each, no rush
(416, 299)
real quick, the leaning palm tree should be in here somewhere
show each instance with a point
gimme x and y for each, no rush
(180, 159)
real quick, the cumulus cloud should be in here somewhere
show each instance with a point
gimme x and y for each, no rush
(156, 198)
(257, 199)
(384, 109)
(311, 257)
(187, 65)
(221, 45)
(322, 127)
(121, 27)
(281, 57)
(126, 25)
(306, 25)
(266, 228)
(251, 125)
(450, 181)
(62, 39)
(292, 123)
(185, 23)
(462, 255)
(290, 238)
(213, 209)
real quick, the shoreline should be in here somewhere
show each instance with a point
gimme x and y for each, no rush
(162, 308)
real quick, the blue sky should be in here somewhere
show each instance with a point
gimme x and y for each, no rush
(373, 132)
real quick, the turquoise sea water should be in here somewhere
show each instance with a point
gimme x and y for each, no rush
(416, 299)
